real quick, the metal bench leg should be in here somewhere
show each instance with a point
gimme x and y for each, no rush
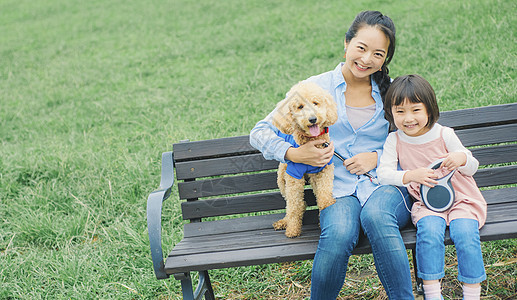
(204, 287)
(419, 281)
(186, 285)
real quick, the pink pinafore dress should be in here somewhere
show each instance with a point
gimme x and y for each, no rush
(469, 202)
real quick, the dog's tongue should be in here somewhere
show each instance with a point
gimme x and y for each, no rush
(314, 130)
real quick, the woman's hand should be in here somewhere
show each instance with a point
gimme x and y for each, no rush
(361, 163)
(309, 154)
(423, 176)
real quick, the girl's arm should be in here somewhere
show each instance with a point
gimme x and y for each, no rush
(387, 171)
(458, 157)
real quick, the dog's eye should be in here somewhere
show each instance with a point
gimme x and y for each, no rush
(300, 107)
(315, 103)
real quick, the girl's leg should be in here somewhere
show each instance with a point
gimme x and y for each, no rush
(382, 217)
(340, 228)
(430, 249)
(430, 254)
(465, 235)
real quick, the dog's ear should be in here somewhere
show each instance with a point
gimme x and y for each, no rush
(331, 108)
(282, 118)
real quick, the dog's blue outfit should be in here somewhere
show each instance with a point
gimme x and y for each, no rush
(297, 170)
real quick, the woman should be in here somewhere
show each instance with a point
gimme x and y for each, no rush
(358, 86)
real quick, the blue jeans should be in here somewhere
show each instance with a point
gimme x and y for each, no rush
(430, 249)
(380, 218)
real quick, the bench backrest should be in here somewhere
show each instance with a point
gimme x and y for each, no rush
(228, 177)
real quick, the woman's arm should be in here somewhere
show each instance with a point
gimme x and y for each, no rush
(264, 138)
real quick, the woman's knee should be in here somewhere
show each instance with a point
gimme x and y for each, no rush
(339, 240)
(382, 207)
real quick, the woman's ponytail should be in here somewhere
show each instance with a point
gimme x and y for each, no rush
(383, 80)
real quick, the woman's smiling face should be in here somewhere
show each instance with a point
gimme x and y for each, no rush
(366, 52)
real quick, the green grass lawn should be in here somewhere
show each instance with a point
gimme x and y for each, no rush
(91, 93)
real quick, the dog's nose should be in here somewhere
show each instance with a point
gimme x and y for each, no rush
(313, 120)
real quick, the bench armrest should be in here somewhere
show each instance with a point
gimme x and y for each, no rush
(154, 214)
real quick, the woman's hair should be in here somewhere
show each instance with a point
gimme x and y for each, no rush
(385, 24)
(415, 89)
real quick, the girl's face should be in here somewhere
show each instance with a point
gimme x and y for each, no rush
(411, 118)
(365, 53)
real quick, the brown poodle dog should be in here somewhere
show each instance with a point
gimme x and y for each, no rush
(305, 115)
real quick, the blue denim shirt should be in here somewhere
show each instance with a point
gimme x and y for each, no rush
(347, 141)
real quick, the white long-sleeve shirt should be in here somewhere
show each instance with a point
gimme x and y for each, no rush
(388, 171)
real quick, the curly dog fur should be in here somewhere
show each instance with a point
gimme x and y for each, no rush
(305, 113)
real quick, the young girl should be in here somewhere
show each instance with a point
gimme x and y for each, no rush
(410, 105)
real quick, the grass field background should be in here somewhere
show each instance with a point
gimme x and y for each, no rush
(91, 93)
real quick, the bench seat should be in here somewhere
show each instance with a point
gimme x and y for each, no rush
(230, 200)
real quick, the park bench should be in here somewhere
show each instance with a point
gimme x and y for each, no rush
(230, 198)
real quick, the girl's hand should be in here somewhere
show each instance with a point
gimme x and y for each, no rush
(423, 176)
(309, 154)
(454, 160)
(361, 163)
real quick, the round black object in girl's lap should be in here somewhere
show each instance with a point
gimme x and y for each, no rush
(440, 197)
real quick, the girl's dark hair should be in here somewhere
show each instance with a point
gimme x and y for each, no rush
(385, 24)
(415, 89)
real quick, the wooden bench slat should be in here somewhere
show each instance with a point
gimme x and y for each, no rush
(232, 205)
(266, 237)
(502, 213)
(498, 231)
(496, 176)
(497, 199)
(223, 166)
(267, 181)
(496, 154)
(228, 259)
(291, 250)
(238, 205)
(273, 201)
(243, 224)
(256, 162)
(471, 117)
(488, 135)
(227, 185)
(213, 148)
(502, 195)
(479, 116)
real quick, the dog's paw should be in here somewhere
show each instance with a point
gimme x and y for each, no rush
(279, 225)
(324, 204)
(293, 232)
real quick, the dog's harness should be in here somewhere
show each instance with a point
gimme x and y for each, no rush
(297, 170)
